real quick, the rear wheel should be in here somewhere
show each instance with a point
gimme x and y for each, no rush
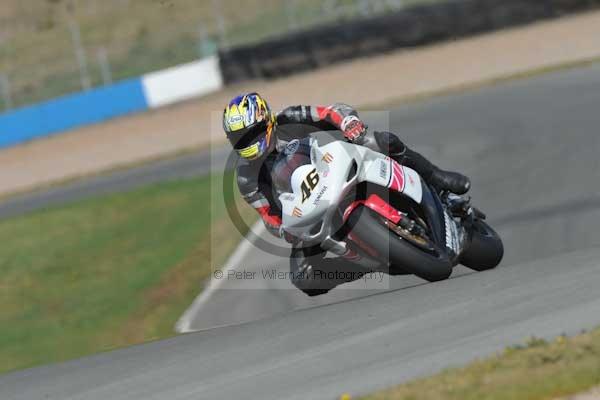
(403, 256)
(485, 250)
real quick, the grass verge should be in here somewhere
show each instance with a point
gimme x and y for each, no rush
(538, 370)
(139, 36)
(107, 272)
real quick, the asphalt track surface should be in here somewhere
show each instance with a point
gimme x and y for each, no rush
(531, 148)
(182, 167)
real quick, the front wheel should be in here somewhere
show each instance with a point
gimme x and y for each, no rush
(485, 250)
(369, 228)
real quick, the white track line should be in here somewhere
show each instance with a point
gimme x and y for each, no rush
(183, 325)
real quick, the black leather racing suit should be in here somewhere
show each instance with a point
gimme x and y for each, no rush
(297, 122)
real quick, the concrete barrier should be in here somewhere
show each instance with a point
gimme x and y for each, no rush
(410, 27)
(71, 111)
(85, 108)
(279, 57)
(182, 82)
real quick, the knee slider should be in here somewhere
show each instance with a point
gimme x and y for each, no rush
(389, 143)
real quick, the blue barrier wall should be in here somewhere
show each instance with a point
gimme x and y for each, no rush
(72, 111)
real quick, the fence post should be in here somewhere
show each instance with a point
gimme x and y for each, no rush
(104, 64)
(331, 8)
(206, 46)
(290, 12)
(364, 7)
(395, 4)
(6, 92)
(79, 53)
(221, 29)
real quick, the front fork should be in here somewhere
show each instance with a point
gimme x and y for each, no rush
(461, 207)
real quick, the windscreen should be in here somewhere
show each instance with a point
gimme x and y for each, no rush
(295, 154)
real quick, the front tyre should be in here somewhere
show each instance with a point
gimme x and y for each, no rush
(485, 250)
(367, 226)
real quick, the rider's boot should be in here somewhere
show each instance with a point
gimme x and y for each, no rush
(454, 182)
(451, 181)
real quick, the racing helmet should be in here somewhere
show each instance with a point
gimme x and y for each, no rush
(248, 123)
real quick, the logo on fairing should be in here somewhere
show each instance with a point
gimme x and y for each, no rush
(309, 184)
(292, 147)
(383, 169)
(397, 180)
(297, 212)
(288, 197)
(328, 158)
(319, 195)
(452, 241)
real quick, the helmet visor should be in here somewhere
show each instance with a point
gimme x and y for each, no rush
(251, 143)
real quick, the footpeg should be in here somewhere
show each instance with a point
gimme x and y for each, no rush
(459, 206)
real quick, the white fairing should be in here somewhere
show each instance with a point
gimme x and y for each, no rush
(319, 188)
(384, 171)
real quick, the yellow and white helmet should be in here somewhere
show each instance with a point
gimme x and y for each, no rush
(248, 123)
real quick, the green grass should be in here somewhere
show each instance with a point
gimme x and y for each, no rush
(107, 272)
(140, 36)
(538, 370)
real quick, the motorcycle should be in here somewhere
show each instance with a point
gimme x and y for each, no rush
(364, 206)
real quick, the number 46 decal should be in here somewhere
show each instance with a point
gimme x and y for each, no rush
(309, 184)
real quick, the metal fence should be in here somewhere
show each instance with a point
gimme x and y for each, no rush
(53, 47)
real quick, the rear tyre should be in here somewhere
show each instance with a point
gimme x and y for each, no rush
(485, 250)
(402, 256)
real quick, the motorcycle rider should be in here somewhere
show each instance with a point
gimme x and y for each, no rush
(258, 135)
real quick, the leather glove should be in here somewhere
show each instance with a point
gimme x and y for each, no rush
(273, 224)
(353, 128)
(291, 239)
